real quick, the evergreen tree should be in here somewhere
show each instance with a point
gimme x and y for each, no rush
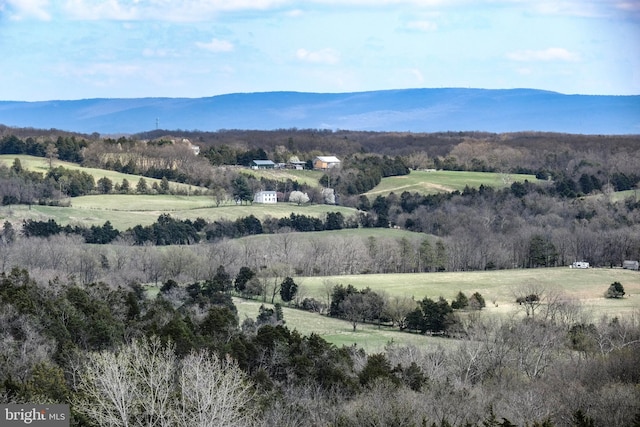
(105, 185)
(241, 190)
(288, 289)
(142, 187)
(616, 290)
(244, 275)
(164, 185)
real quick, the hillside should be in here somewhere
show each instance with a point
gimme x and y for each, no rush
(429, 182)
(414, 110)
(582, 288)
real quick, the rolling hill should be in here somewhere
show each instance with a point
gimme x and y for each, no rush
(415, 110)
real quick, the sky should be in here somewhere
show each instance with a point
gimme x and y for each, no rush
(79, 49)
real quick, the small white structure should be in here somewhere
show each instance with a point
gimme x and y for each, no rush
(265, 197)
(631, 265)
(580, 264)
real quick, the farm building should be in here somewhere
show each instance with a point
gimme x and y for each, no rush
(262, 164)
(631, 265)
(580, 264)
(297, 165)
(265, 197)
(326, 162)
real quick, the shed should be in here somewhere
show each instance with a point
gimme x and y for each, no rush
(262, 164)
(298, 165)
(326, 162)
(631, 265)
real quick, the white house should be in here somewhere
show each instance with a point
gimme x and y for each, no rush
(631, 265)
(265, 197)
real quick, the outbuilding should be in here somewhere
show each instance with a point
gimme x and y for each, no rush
(580, 264)
(262, 164)
(326, 162)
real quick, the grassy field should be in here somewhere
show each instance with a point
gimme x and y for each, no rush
(340, 332)
(585, 287)
(41, 164)
(309, 177)
(498, 288)
(442, 181)
(127, 210)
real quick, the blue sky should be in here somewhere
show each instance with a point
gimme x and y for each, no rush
(75, 49)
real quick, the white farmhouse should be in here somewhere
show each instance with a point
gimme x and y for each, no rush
(265, 197)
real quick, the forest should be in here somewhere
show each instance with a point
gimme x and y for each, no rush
(139, 326)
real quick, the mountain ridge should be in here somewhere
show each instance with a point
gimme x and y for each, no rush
(413, 110)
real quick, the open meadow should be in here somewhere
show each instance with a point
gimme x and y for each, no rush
(128, 210)
(309, 177)
(499, 288)
(430, 182)
(340, 332)
(41, 165)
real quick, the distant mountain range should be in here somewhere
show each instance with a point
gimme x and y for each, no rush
(415, 110)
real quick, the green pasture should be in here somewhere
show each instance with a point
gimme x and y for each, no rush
(425, 182)
(128, 210)
(309, 177)
(340, 332)
(41, 164)
(499, 288)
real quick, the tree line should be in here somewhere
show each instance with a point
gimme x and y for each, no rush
(167, 230)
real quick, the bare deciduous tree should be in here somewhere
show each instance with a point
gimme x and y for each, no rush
(213, 393)
(143, 384)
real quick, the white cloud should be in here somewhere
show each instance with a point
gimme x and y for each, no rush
(216, 45)
(629, 6)
(157, 53)
(322, 56)
(426, 26)
(417, 75)
(91, 10)
(161, 10)
(25, 9)
(203, 10)
(550, 54)
(295, 13)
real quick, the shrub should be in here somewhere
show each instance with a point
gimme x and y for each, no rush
(616, 290)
